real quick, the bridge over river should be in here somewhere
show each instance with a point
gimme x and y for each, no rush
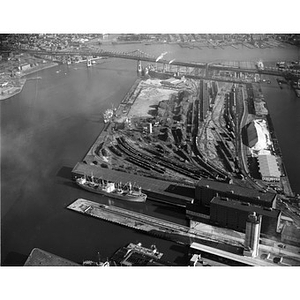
(139, 56)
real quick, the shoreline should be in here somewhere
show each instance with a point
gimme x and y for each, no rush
(17, 90)
(284, 179)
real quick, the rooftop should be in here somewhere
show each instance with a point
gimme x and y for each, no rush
(236, 190)
(247, 208)
(268, 166)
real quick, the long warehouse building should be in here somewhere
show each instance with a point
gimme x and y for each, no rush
(206, 190)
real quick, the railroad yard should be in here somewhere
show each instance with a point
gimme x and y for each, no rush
(171, 131)
(189, 154)
(182, 129)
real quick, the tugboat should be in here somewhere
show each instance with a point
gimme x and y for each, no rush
(119, 191)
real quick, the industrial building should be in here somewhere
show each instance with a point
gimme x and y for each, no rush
(206, 190)
(250, 134)
(268, 167)
(24, 67)
(197, 212)
(290, 234)
(261, 146)
(258, 137)
(232, 214)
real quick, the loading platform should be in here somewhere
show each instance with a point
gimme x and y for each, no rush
(154, 226)
(157, 190)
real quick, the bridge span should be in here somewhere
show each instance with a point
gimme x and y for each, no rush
(139, 55)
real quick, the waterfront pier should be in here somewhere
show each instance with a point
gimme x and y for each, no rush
(154, 226)
(218, 239)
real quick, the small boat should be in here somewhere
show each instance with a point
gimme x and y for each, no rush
(108, 114)
(127, 192)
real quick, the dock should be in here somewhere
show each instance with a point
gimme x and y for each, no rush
(218, 239)
(157, 190)
(158, 227)
(39, 257)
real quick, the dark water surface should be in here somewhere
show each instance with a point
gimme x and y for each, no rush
(50, 125)
(284, 107)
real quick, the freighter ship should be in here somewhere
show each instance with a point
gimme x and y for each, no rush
(120, 191)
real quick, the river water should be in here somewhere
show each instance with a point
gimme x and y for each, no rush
(50, 125)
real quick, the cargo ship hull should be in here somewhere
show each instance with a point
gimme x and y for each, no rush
(123, 195)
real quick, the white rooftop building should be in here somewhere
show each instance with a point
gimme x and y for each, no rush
(268, 167)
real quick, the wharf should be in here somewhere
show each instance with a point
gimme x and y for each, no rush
(107, 130)
(168, 230)
(39, 257)
(158, 190)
